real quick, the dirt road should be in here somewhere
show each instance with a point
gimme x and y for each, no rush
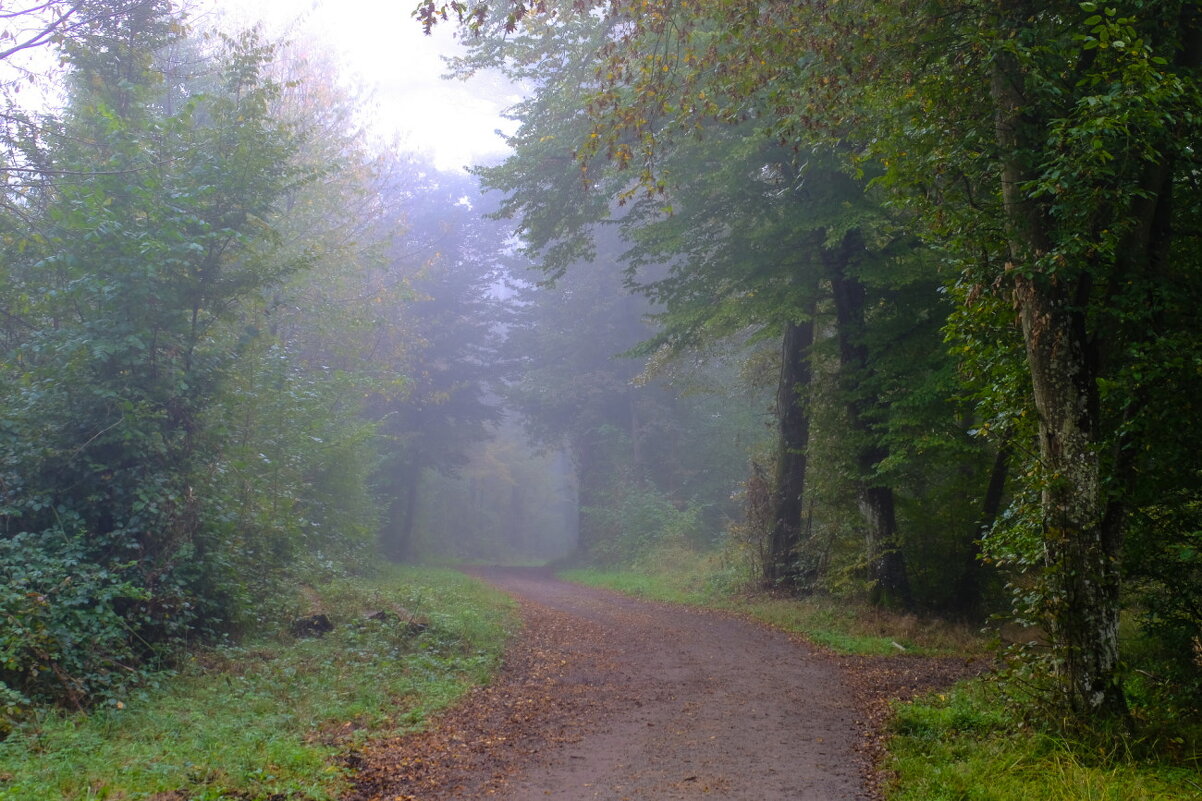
(606, 697)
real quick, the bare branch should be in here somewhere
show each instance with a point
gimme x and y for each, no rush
(68, 16)
(47, 31)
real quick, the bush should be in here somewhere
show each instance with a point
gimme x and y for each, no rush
(65, 636)
(635, 520)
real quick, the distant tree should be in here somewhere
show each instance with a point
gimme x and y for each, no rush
(571, 388)
(445, 346)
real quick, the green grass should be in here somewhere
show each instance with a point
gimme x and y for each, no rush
(269, 719)
(966, 745)
(679, 576)
(639, 585)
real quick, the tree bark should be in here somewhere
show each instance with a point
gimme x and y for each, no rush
(783, 565)
(1082, 555)
(589, 489)
(886, 562)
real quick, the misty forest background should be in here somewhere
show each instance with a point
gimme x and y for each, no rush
(891, 302)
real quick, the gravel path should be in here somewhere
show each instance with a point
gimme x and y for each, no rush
(607, 697)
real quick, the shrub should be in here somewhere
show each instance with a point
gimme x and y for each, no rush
(65, 633)
(636, 519)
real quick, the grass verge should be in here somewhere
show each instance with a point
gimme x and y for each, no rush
(268, 720)
(702, 580)
(968, 744)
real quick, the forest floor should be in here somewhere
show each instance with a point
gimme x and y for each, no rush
(603, 696)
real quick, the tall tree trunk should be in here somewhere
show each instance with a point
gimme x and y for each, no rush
(638, 470)
(588, 489)
(886, 562)
(396, 539)
(783, 564)
(885, 558)
(1082, 553)
(967, 600)
(515, 522)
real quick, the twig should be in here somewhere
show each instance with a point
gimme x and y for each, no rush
(91, 439)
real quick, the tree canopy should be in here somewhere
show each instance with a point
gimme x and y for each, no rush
(1038, 159)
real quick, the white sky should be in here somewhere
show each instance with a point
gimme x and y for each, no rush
(381, 48)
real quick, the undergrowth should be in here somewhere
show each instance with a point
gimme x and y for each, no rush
(268, 719)
(969, 744)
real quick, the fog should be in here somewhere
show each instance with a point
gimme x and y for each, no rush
(525, 431)
(519, 424)
(394, 70)
(742, 302)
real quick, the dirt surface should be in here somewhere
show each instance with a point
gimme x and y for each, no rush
(607, 697)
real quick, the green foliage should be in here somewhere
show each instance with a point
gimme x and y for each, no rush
(287, 482)
(168, 449)
(628, 523)
(272, 716)
(967, 744)
(1166, 547)
(65, 631)
(103, 397)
